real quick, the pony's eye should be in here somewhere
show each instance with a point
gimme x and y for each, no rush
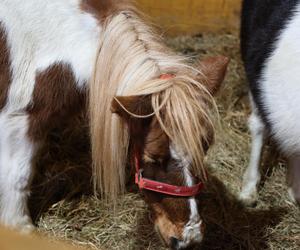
(152, 159)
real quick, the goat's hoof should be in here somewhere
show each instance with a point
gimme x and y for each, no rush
(248, 199)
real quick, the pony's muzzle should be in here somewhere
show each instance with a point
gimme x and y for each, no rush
(174, 243)
(190, 239)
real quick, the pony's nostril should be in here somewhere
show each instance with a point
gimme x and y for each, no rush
(202, 228)
(174, 243)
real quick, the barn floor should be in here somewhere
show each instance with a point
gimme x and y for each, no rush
(273, 224)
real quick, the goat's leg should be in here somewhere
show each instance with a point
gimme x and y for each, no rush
(252, 175)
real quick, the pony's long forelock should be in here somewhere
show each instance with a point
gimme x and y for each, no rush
(130, 60)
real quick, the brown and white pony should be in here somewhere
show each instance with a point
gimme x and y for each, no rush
(145, 102)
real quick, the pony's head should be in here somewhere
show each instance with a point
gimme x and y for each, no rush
(170, 132)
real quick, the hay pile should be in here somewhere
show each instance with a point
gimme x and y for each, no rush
(273, 224)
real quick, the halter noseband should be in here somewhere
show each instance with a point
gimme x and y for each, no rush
(164, 188)
(160, 187)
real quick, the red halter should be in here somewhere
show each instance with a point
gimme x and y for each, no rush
(166, 76)
(164, 188)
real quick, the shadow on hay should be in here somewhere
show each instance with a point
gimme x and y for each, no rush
(232, 226)
(145, 236)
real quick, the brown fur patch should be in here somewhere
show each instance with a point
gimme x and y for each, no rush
(157, 142)
(102, 9)
(5, 73)
(138, 105)
(56, 99)
(214, 70)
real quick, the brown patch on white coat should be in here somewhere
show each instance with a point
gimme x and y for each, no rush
(56, 99)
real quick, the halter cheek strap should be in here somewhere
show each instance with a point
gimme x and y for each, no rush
(164, 188)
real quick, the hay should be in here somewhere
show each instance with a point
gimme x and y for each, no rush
(273, 224)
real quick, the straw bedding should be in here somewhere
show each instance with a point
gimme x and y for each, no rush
(65, 209)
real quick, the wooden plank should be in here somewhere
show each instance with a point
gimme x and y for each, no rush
(10, 240)
(193, 16)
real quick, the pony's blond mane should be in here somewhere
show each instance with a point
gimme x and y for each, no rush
(131, 58)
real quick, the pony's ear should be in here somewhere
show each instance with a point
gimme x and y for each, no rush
(128, 106)
(214, 70)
